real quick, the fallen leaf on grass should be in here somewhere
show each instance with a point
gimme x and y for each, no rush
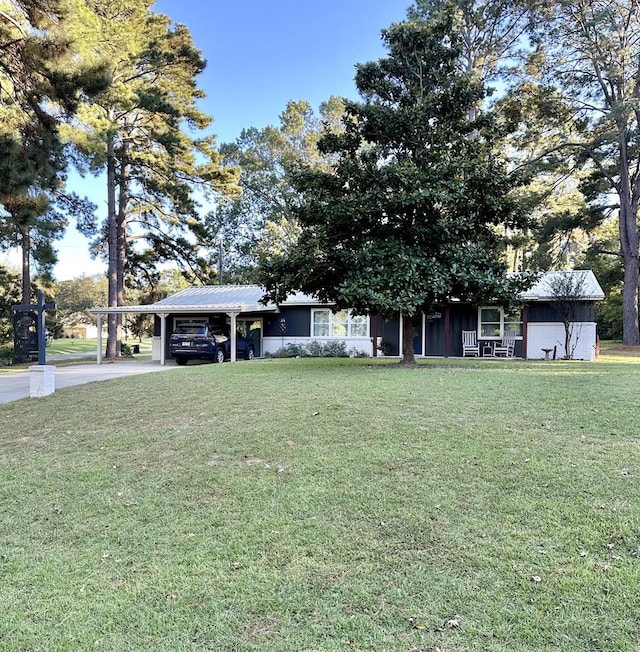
(416, 624)
(536, 578)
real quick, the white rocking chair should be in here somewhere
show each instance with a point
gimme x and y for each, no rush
(470, 344)
(507, 347)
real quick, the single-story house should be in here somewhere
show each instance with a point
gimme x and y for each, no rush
(301, 319)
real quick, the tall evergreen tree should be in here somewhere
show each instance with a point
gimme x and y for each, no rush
(406, 218)
(41, 85)
(139, 133)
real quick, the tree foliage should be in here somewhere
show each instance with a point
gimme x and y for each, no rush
(408, 216)
(10, 295)
(149, 136)
(267, 157)
(42, 83)
(581, 88)
(76, 296)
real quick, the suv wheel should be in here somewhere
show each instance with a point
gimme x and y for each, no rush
(220, 355)
(181, 361)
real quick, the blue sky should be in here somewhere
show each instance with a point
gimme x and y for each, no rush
(261, 54)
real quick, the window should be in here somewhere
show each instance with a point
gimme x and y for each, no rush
(190, 320)
(495, 322)
(325, 323)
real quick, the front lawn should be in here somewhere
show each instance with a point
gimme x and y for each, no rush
(71, 345)
(324, 505)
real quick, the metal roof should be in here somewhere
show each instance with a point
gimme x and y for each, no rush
(247, 298)
(243, 298)
(584, 280)
(203, 298)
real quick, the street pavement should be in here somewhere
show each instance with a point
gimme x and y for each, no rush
(15, 385)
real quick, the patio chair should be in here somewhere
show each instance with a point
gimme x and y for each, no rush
(470, 344)
(507, 347)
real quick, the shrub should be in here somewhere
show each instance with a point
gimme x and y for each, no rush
(331, 349)
(6, 355)
(335, 349)
(315, 349)
(358, 353)
(291, 350)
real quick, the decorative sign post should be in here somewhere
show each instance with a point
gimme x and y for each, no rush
(30, 330)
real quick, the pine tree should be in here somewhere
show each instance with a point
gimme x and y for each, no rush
(139, 133)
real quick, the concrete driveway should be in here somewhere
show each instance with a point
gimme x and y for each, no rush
(15, 385)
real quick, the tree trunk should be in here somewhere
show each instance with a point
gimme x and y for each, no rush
(122, 233)
(408, 356)
(112, 272)
(567, 340)
(629, 244)
(26, 264)
(630, 333)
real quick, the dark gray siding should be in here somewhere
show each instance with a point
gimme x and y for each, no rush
(297, 320)
(547, 312)
(461, 318)
(389, 331)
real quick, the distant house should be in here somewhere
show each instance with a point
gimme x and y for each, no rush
(79, 326)
(302, 319)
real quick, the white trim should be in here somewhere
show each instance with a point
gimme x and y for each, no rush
(502, 322)
(331, 335)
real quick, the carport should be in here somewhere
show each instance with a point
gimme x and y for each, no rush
(232, 301)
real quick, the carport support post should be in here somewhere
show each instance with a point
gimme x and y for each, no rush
(233, 334)
(163, 338)
(99, 351)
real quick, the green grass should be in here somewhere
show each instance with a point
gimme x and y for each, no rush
(326, 505)
(70, 345)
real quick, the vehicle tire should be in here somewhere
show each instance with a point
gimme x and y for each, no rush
(220, 355)
(181, 361)
(249, 354)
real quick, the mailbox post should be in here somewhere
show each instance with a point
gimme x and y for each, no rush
(42, 376)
